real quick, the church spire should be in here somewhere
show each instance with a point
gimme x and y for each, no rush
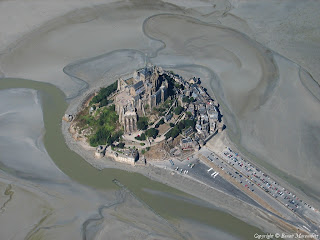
(145, 63)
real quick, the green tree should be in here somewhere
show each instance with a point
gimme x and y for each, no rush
(186, 99)
(104, 93)
(161, 121)
(178, 110)
(142, 123)
(189, 123)
(142, 137)
(179, 86)
(168, 134)
(101, 137)
(181, 125)
(175, 132)
(104, 102)
(152, 132)
(121, 145)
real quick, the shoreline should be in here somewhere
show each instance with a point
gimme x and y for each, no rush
(24, 54)
(218, 198)
(85, 90)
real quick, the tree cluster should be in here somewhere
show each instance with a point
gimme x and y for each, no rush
(142, 123)
(104, 127)
(103, 136)
(104, 93)
(142, 137)
(177, 129)
(152, 132)
(159, 123)
(178, 110)
(187, 99)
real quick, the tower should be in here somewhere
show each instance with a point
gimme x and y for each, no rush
(162, 93)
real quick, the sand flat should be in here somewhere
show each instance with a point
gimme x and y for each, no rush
(37, 199)
(251, 84)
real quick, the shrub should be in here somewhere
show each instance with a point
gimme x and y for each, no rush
(161, 121)
(142, 123)
(142, 137)
(178, 110)
(121, 145)
(104, 102)
(181, 125)
(175, 132)
(189, 123)
(104, 94)
(185, 99)
(152, 132)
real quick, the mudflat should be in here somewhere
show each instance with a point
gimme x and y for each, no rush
(270, 102)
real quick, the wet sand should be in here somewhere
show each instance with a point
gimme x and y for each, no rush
(60, 192)
(57, 205)
(264, 103)
(245, 86)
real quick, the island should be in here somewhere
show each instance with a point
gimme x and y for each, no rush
(151, 114)
(158, 123)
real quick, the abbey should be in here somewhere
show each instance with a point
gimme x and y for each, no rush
(142, 91)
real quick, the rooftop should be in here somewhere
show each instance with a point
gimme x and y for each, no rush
(138, 85)
(123, 98)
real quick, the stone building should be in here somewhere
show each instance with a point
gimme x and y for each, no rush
(100, 152)
(144, 90)
(129, 156)
(187, 144)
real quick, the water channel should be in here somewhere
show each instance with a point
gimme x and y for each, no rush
(54, 106)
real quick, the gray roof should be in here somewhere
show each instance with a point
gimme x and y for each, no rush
(168, 116)
(138, 85)
(136, 97)
(188, 131)
(157, 93)
(202, 111)
(186, 140)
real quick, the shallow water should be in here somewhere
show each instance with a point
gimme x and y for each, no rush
(260, 93)
(247, 73)
(242, 74)
(79, 170)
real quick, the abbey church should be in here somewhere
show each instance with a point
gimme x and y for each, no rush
(139, 93)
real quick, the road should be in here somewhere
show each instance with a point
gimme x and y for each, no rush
(251, 177)
(200, 172)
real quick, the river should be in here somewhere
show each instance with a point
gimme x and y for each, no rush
(54, 106)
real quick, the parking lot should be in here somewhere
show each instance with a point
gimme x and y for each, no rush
(244, 182)
(194, 168)
(255, 176)
(260, 183)
(249, 177)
